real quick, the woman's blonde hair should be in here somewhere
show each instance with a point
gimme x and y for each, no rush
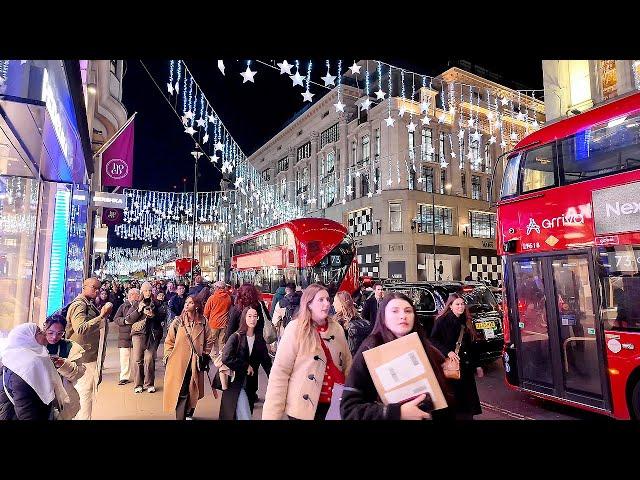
(307, 337)
(348, 308)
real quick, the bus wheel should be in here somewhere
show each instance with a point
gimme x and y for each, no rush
(635, 401)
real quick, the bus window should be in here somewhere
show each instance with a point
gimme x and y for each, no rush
(619, 273)
(510, 178)
(538, 170)
(601, 150)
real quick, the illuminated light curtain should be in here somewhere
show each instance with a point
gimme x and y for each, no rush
(59, 242)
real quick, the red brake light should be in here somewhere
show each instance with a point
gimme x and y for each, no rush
(468, 289)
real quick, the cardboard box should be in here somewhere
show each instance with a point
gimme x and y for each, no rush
(401, 370)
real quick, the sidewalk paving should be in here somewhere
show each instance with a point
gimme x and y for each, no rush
(118, 402)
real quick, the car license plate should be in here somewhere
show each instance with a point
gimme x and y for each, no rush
(483, 325)
(489, 333)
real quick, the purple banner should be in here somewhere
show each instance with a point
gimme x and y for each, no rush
(112, 216)
(117, 160)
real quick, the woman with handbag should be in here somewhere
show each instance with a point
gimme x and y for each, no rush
(312, 356)
(243, 354)
(360, 400)
(188, 344)
(453, 334)
(249, 296)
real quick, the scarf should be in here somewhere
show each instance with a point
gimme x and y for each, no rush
(31, 362)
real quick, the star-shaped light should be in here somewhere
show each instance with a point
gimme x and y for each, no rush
(200, 122)
(389, 182)
(247, 75)
(503, 144)
(285, 67)
(238, 182)
(444, 164)
(424, 106)
(189, 130)
(190, 115)
(378, 191)
(441, 118)
(344, 200)
(390, 121)
(212, 118)
(380, 94)
(366, 104)
(453, 154)
(430, 150)
(402, 111)
(226, 166)
(476, 136)
(504, 101)
(355, 68)
(357, 173)
(221, 66)
(196, 154)
(170, 88)
(205, 139)
(498, 123)
(177, 88)
(470, 122)
(349, 189)
(370, 194)
(490, 115)
(307, 96)
(339, 106)
(492, 140)
(185, 120)
(520, 116)
(425, 120)
(461, 134)
(329, 80)
(297, 79)
(411, 127)
(219, 146)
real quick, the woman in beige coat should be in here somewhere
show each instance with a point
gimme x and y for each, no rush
(183, 383)
(311, 358)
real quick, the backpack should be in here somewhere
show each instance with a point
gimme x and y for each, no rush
(290, 310)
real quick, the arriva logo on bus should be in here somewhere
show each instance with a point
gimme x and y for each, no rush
(562, 220)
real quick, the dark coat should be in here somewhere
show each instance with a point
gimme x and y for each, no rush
(117, 299)
(370, 309)
(195, 290)
(236, 356)
(28, 405)
(276, 298)
(176, 304)
(358, 329)
(291, 303)
(360, 399)
(126, 316)
(234, 320)
(154, 327)
(444, 337)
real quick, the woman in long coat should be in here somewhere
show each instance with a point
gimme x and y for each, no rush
(243, 354)
(183, 383)
(446, 330)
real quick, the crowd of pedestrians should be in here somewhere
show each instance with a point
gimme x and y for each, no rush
(218, 334)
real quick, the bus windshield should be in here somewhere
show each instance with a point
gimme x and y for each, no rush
(331, 270)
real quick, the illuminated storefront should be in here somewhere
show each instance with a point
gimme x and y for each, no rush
(43, 188)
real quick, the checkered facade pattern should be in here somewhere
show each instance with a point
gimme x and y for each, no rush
(369, 264)
(486, 267)
(360, 222)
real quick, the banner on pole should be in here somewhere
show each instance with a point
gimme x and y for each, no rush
(117, 159)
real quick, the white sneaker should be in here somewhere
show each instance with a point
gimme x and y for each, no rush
(188, 418)
(137, 390)
(151, 389)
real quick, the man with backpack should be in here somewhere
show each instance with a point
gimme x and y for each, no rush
(287, 306)
(84, 325)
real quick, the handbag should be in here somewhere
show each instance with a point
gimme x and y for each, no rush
(450, 366)
(225, 375)
(268, 331)
(138, 327)
(203, 361)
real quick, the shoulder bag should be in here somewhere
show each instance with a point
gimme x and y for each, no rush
(451, 367)
(203, 360)
(268, 331)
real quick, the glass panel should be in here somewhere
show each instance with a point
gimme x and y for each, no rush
(18, 214)
(510, 178)
(395, 217)
(603, 149)
(538, 170)
(576, 323)
(532, 317)
(331, 270)
(619, 272)
(77, 237)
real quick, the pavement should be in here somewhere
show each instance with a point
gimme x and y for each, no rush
(118, 402)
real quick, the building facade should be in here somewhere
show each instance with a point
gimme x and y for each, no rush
(573, 86)
(416, 194)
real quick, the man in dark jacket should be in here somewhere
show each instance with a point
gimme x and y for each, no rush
(370, 310)
(128, 314)
(291, 303)
(116, 296)
(197, 286)
(176, 304)
(280, 293)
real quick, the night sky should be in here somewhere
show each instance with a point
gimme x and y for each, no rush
(252, 112)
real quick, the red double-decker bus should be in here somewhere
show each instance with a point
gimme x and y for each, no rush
(568, 227)
(302, 251)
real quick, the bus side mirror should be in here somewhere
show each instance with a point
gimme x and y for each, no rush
(510, 246)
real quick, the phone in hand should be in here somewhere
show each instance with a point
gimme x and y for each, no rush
(427, 404)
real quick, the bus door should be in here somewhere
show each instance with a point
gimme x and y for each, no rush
(559, 337)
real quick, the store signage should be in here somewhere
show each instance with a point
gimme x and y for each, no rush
(58, 120)
(547, 223)
(616, 209)
(488, 245)
(112, 200)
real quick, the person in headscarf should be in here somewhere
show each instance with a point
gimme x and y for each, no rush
(31, 386)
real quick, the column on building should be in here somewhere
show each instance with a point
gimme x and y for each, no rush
(291, 176)
(343, 145)
(314, 183)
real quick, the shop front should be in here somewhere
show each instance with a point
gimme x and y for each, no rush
(44, 198)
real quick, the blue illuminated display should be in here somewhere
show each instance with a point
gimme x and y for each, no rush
(582, 144)
(59, 251)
